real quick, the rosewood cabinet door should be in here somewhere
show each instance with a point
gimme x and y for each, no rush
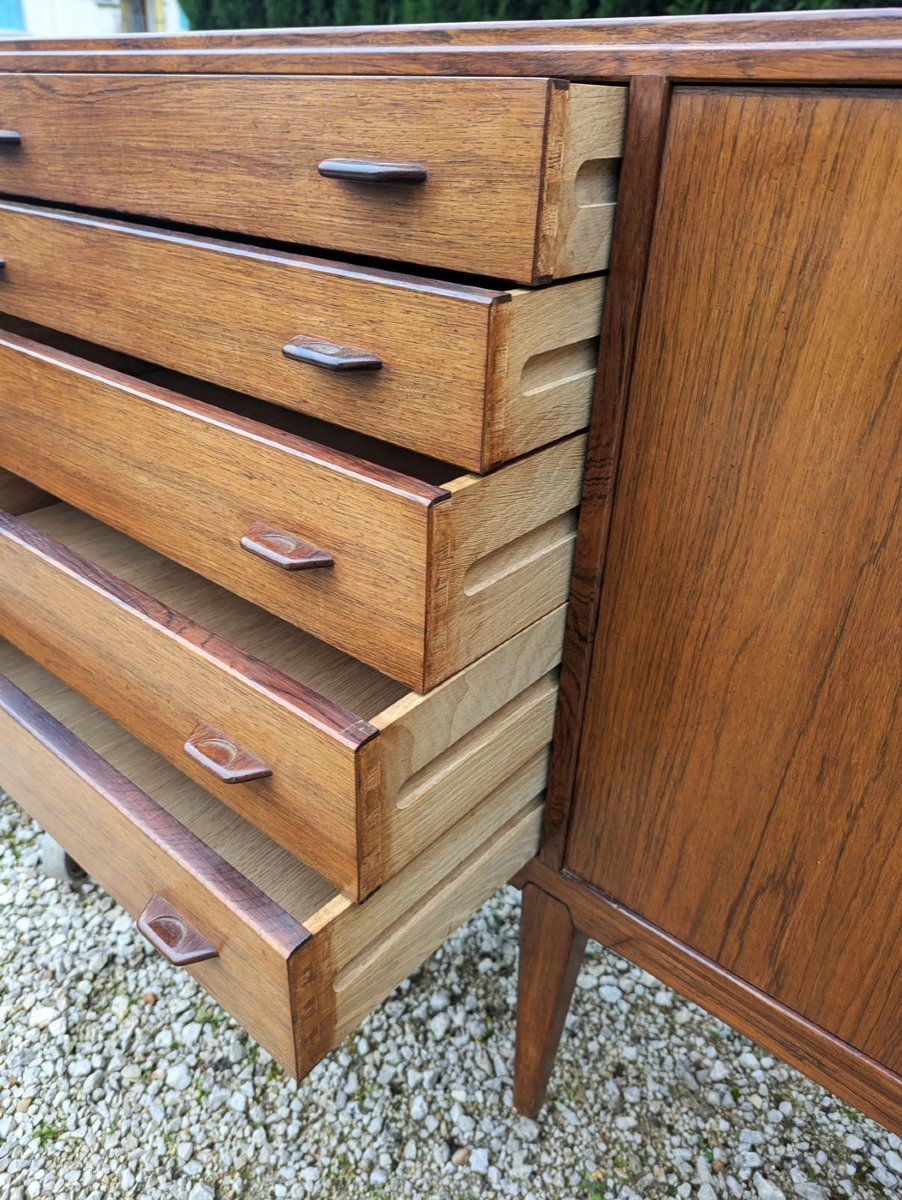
(740, 781)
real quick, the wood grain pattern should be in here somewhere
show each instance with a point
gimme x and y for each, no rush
(781, 27)
(502, 548)
(219, 755)
(158, 672)
(223, 311)
(284, 550)
(188, 479)
(816, 1052)
(89, 140)
(134, 847)
(551, 951)
(645, 130)
(743, 714)
(813, 47)
(171, 935)
(105, 615)
(298, 965)
(582, 161)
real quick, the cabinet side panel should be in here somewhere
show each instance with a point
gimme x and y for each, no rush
(740, 776)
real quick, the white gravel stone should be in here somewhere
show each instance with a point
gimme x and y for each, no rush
(178, 1077)
(767, 1190)
(119, 1006)
(479, 1161)
(809, 1191)
(190, 1033)
(137, 1085)
(894, 1162)
(41, 1016)
(439, 1025)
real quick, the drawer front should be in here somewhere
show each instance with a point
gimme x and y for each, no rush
(338, 765)
(163, 676)
(499, 180)
(204, 485)
(134, 849)
(463, 374)
(295, 963)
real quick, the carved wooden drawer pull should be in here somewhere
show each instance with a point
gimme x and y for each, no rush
(329, 356)
(363, 170)
(9, 137)
(284, 549)
(171, 934)
(222, 758)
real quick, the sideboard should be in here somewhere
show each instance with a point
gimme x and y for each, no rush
(352, 381)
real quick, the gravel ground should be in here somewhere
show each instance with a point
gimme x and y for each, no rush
(118, 1078)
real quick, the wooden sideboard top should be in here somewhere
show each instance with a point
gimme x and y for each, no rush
(848, 46)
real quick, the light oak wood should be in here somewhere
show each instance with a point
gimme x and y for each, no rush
(577, 216)
(469, 375)
(430, 570)
(363, 776)
(154, 145)
(295, 963)
(503, 547)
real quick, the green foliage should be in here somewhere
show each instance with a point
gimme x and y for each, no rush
(262, 14)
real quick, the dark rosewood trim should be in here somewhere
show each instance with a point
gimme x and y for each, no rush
(329, 356)
(357, 170)
(551, 951)
(855, 61)
(310, 706)
(284, 549)
(221, 757)
(415, 490)
(322, 266)
(645, 130)
(172, 936)
(636, 31)
(195, 857)
(834, 1064)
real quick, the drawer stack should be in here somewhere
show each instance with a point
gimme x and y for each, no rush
(285, 539)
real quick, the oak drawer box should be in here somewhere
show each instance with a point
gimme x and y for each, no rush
(298, 965)
(514, 177)
(468, 375)
(360, 776)
(416, 575)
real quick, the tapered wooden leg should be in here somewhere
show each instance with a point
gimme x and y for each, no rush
(551, 951)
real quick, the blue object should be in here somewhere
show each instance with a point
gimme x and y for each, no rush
(11, 15)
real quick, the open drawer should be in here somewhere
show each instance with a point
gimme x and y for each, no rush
(336, 763)
(394, 558)
(514, 178)
(470, 375)
(295, 963)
